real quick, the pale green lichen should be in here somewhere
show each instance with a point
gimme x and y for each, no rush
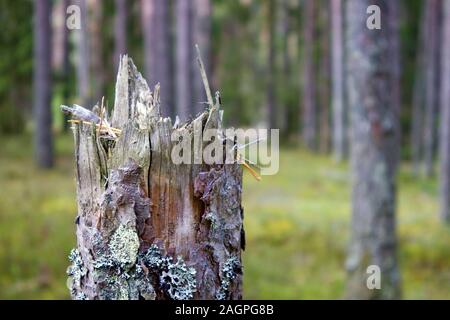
(124, 246)
(119, 267)
(228, 275)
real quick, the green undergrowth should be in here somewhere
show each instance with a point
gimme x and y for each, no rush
(297, 228)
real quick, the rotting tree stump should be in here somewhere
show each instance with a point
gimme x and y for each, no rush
(148, 228)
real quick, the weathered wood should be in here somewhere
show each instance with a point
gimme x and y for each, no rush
(148, 228)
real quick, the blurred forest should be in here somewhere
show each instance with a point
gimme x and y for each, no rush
(307, 67)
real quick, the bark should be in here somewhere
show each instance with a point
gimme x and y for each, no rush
(184, 59)
(83, 63)
(283, 34)
(156, 30)
(146, 227)
(96, 49)
(202, 36)
(394, 17)
(324, 71)
(43, 142)
(120, 30)
(338, 106)
(309, 89)
(271, 100)
(418, 100)
(431, 85)
(445, 120)
(373, 156)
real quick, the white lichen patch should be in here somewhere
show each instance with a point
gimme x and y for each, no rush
(76, 271)
(124, 245)
(176, 278)
(228, 275)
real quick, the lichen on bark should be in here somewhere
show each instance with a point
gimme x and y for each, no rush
(146, 228)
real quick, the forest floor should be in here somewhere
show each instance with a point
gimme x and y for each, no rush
(297, 226)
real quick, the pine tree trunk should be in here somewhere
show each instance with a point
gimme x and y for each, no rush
(120, 30)
(432, 85)
(309, 88)
(83, 61)
(184, 92)
(43, 142)
(324, 82)
(146, 227)
(416, 140)
(202, 22)
(156, 29)
(339, 113)
(271, 99)
(445, 120)
(373, 154)
(96, 49)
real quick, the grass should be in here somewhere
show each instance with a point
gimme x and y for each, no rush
(297, 227)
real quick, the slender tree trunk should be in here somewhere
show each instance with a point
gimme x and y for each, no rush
(43, 142)
(96, 49)
(283, 34)
(120, 30)
(148, 228)
(309, 89)
(184, 59)
(271, 100)
(83, 61)
(202, 36)
(445, 119)
(338, 106)
(432, 84)
(418, 99)
(324, 83)
(373, 153)
(156, 29)
(396, 65)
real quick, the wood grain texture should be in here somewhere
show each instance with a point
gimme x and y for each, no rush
(146, 227)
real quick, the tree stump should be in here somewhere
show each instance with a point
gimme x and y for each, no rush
(148, 228)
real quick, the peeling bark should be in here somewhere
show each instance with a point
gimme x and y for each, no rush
(146, 227)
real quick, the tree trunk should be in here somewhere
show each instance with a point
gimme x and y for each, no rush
(418, 98)
(373, 154)
(309, 87)
(184, 59)
(83, 63)
(271, 100)
(393, 20)
(96, 49)
(120, 30)
(147, 227)
(43, 142)
(283, 34)
(432, 84)
(339, 112)
(156, 29)
(202, 36)
(324, 82)
(445, 120)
